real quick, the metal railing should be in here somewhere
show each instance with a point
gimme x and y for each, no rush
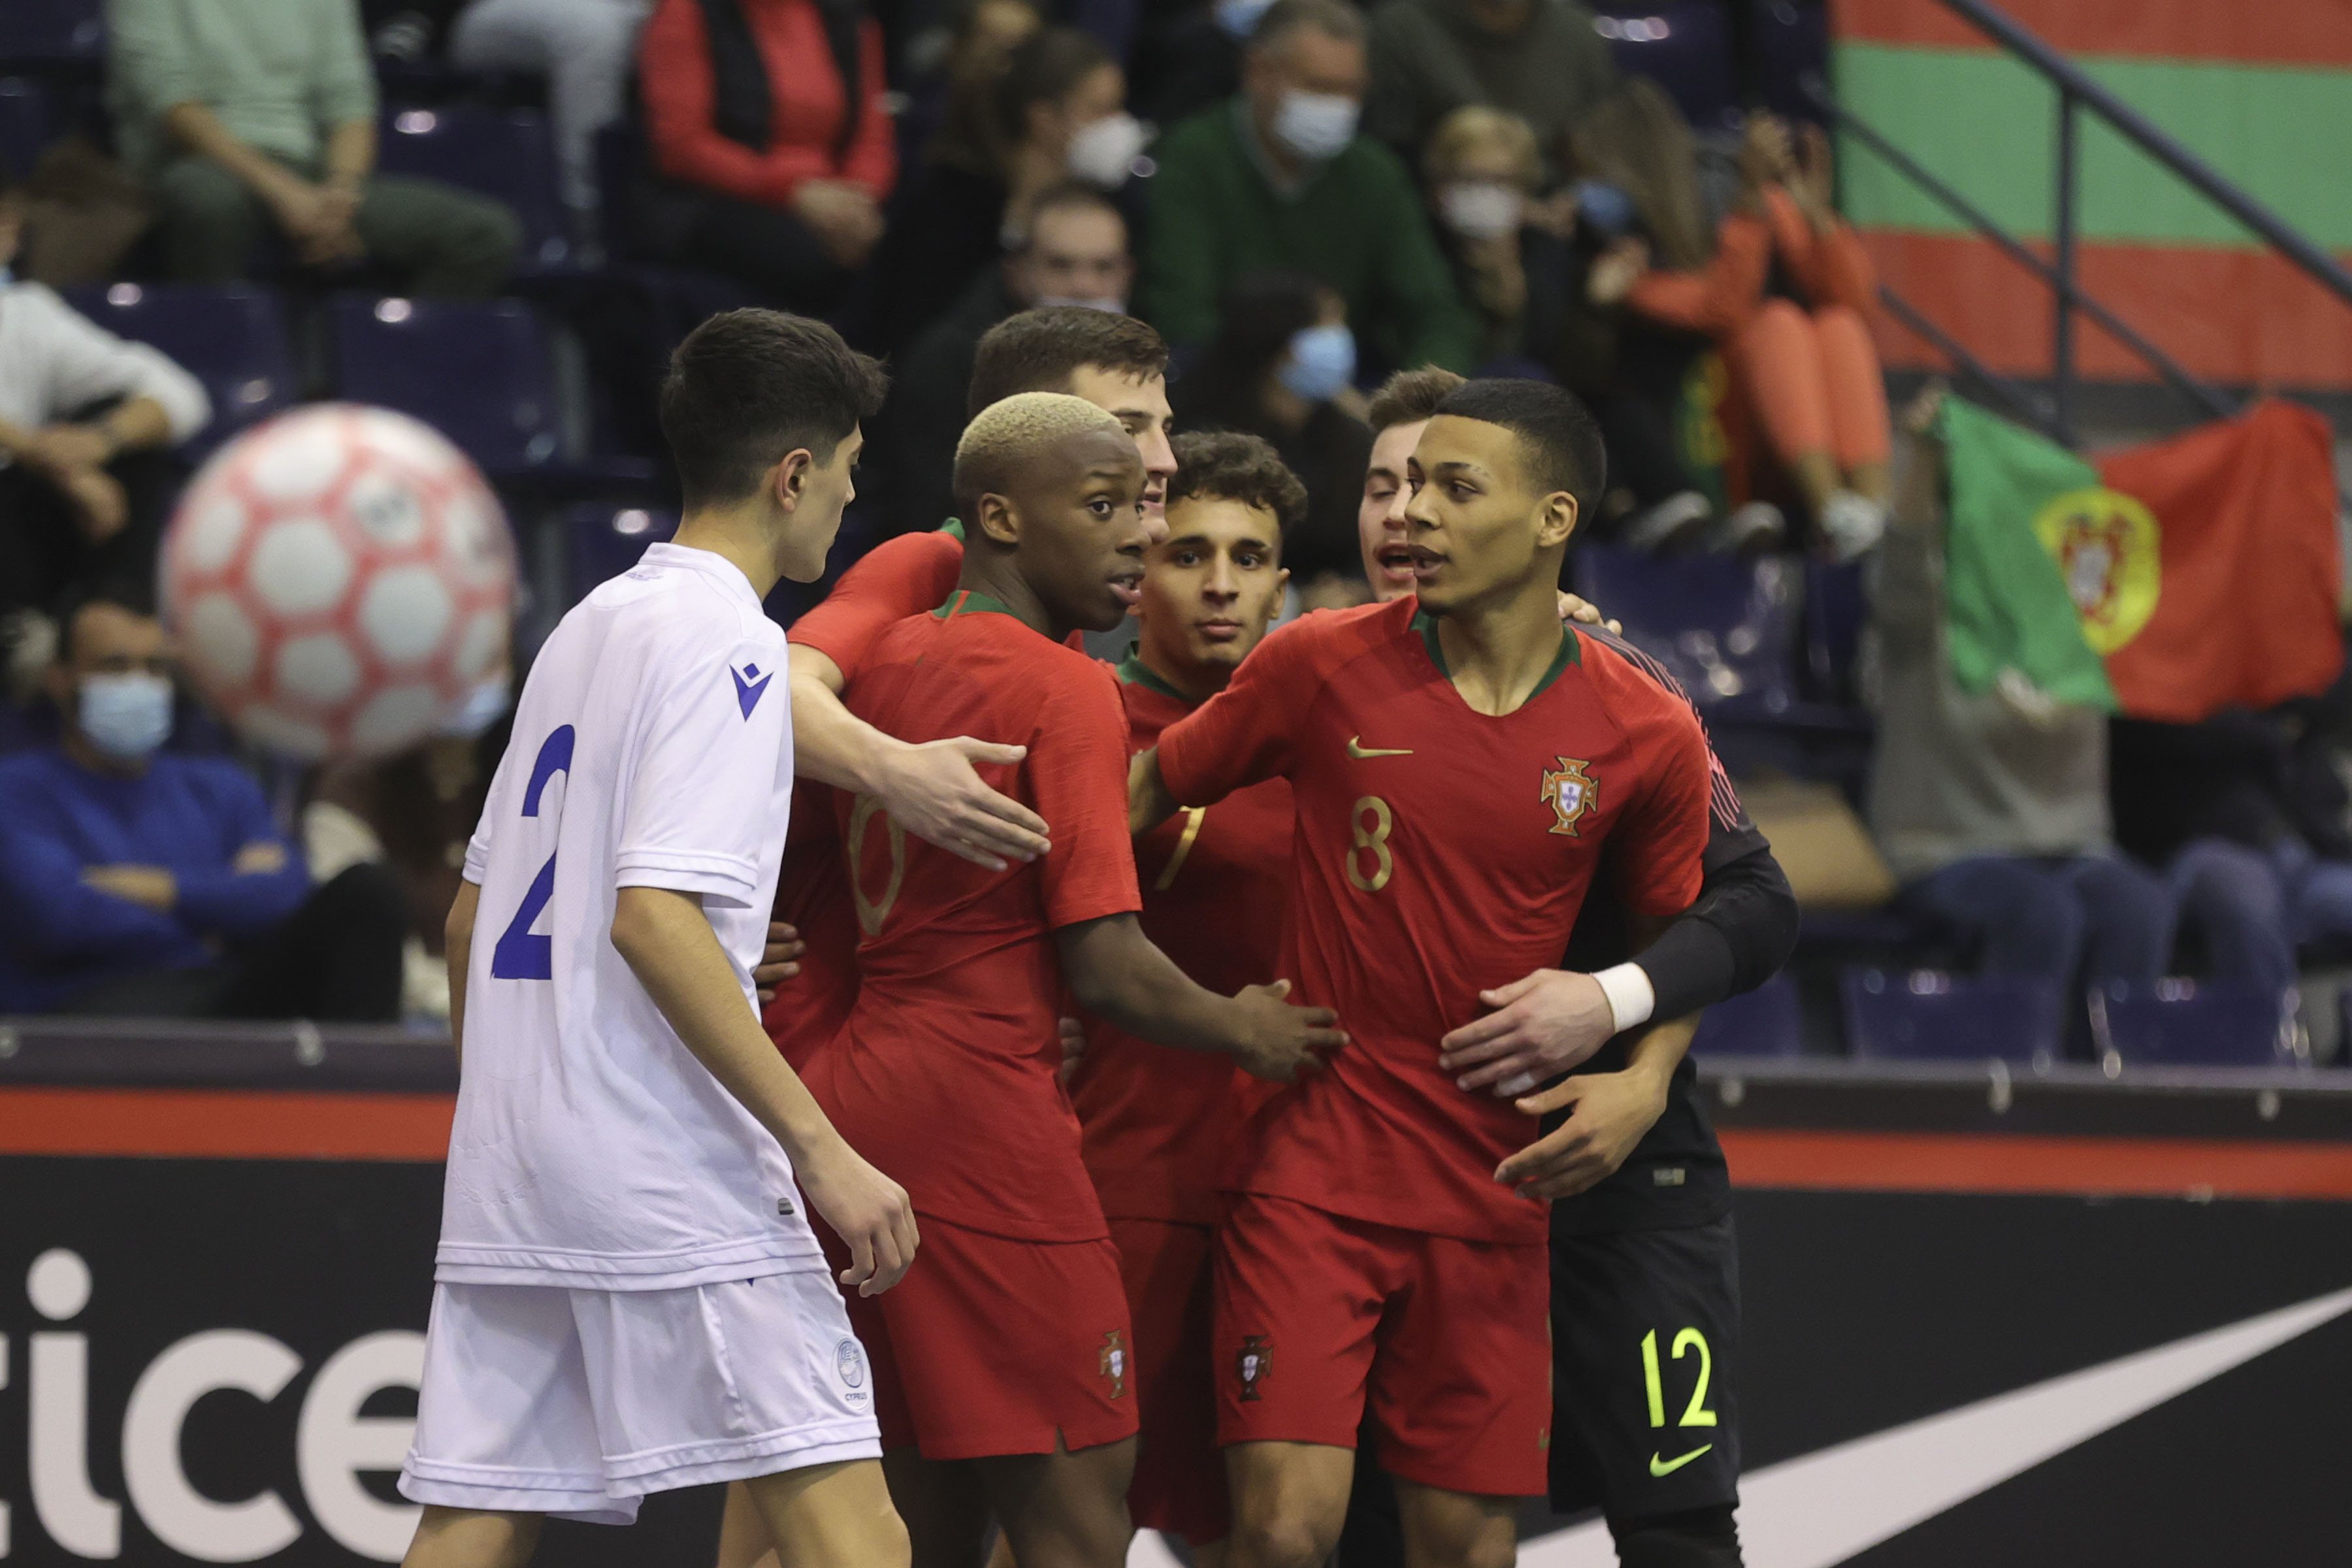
(2077, 92)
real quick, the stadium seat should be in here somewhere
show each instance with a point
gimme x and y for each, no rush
(1925, 1014)
(1724, 626)
(232, 337)
(2187, 1022)
(24, 125)
(1766, 1021)
(1685, 45)
(1836, 607)
(500, 154)
(480, 374)
(39, 33)
(603, 541)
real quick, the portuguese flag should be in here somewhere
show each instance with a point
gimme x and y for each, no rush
(2167, 580)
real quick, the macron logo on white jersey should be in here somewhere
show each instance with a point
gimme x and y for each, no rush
(749, 686)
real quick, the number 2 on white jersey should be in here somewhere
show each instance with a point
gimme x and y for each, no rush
(519, 954)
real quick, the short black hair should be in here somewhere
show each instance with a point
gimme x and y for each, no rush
(747, 387)
(1332, 19)
(82, 595)
(1558, 439)
(1228, 465)
(1409, 397)
(1040, 351)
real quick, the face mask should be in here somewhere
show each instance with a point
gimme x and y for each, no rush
(1239, 19)
(1103, 155)
(476, 710)
(126, 716)
(1315, 125)
(1114, 305)
(1321, 361)
(1480, 210)
(1605, 206)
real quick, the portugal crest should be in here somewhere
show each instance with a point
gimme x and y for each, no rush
(1114, 1362)
(2108, 548)
(1569, 790)
(1252, 1364)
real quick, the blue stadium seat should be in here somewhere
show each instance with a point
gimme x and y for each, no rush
(1724, 626)
(24, 128)
(232, 337)
(504, 154)
(603, 541)
(1683, 45)
(1836, 608)
(52, 32)
(2189, 1022)
(1925, 1014)
(1766, 1021)
(480, 374)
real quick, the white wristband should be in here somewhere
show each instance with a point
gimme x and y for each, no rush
(1631, 997)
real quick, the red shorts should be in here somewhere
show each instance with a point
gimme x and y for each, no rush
(1449, 1341)
(991, 1345)
(1180, 1477)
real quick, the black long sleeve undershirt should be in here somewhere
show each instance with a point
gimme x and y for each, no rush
(1736, 937)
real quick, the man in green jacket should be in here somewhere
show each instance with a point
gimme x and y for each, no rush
(265, 112)
(1279, 180)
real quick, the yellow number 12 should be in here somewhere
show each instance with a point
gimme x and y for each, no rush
(1695, 1413)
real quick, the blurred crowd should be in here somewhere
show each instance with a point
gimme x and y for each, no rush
(1303, 197)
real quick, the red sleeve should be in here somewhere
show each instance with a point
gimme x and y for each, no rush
(1665, 833)
(1718, 297)
(897, 578)
(1829, 268)
(1077, 782)
(1243, 735)
(872, 160)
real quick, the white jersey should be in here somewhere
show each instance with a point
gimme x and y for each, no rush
(653, 747)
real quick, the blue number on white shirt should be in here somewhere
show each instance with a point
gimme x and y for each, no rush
(519, 954)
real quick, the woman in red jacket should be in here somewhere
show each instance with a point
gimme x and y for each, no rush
(766, 118)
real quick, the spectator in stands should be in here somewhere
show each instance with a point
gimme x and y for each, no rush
(584, 47)
(138, 882)
(1510, 262)
(767, 118)
(1075, 254)
(1056, 113)
(1540, 59)
(263, 113)
(1809, 383)
(1992, 809)
(1281, 367)
(1278, 179)
(86, 423)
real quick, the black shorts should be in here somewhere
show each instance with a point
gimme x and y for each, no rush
(1645, 1371)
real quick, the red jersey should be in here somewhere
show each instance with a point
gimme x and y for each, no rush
(1158, 1120)
(1437, 851)
(945, 1075)
(896, 579)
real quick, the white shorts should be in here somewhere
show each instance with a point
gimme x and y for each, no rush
(538, 1399)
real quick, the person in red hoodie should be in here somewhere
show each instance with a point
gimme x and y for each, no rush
(765, 121)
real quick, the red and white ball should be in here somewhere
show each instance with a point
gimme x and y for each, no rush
(339, 579)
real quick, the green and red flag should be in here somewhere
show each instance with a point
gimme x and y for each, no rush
(2165, 581)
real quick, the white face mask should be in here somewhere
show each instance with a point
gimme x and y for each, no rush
(1103, 155)
(126, 716)
(1480, 210)
(1316, 125)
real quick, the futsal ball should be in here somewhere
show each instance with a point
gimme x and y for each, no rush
(339, 579)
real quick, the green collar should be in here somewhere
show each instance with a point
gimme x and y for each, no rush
(953, 527)
(1132, 672)
(964, 602)
(1570, 653)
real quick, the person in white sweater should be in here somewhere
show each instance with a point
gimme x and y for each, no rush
(87, 420)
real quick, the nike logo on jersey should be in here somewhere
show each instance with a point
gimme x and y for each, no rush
(749, 684)
(1668, 1466)
(1359, 751)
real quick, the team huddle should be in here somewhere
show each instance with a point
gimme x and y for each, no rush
(1268, 1231)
